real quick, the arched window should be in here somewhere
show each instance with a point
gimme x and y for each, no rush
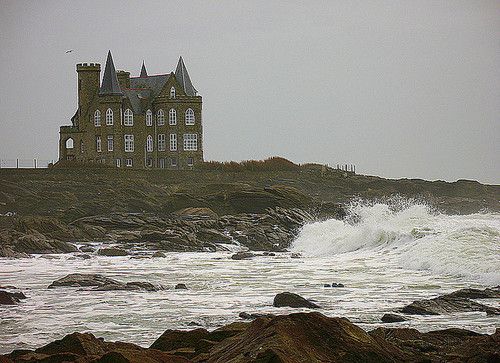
(97, 118)
(160, 118)
(149, 144)
(128, 118)
(189, 116)
(109, 117)
(172, 117)
(149, 118)
(69, 143)
(172, 92)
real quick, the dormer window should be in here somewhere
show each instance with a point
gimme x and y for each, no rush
(149, 118)
(97, 118)
(160, 118)
(128, 117)
(172, 92)
(109, 117)
(172, 117)
(189, 116)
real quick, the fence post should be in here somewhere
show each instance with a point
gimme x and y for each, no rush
(17, 163)
(34, 163)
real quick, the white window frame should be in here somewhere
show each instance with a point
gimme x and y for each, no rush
(173, 142)
(129, 143)
(161, 142)
(172, 117)
(69, 143)
(172, 92)
(128, 119)
(109, 117)
(173, 162)
(160, 117)
(128, 162)
(190, 161)
(98, 144)
(190, 142)
(97, 118)
(149, 118)
(162, 163)
(189, 117)
(111, 144)
(149, 144)
(118, 163)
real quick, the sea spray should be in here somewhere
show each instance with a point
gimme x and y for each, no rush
(414, 235)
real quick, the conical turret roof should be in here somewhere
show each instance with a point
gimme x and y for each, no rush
(110, 85)
(143, 70)
(182, 76)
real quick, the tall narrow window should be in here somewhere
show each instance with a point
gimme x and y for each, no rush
(172, 92)
(109, 117)
(69, 143)
(173, 142)
(161, 142)
(129, 143)
(97, 118)
(189, 116)
(111, 145)
(160, 118)
(172, 117)
(98, 144)
(129, 117)
(128, 162)
(190, 142)
(190, 161)
(149, 118)
(118, 163)
(149, 143)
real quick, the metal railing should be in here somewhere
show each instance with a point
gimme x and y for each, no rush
(24, 163)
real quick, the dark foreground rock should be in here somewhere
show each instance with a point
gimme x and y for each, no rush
(292, 300)
(253, 316)
(243, 255)
(392, 318)
(457, 301)
(294, 338)
(102, 283)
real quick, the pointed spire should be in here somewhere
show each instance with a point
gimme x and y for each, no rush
(143, 71)
(182, 76)
(110, 85)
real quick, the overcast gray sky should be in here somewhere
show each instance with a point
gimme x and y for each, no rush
(399, 88)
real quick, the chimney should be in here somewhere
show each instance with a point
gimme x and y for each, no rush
(123, 79)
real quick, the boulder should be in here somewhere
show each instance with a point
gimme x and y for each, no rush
(304, 337)
(447, 305)
(242, 255)
(488, 293)
(392, 318)
(158, 254)
(83, 280)
(181, 287)
(10, 298)
(112, 252)
(293, 300)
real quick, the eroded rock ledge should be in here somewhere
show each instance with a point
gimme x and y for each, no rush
(301, 337)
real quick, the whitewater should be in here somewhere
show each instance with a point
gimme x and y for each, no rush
(387, 254)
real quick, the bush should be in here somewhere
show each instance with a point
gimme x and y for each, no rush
(274, 163)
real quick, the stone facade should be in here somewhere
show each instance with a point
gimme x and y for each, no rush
(138, 122)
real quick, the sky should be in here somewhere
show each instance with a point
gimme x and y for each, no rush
(401, 89)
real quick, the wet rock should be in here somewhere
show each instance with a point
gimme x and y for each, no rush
(129, 286)
(242, 255)
(303, 337)
(181, 287)
(392, 318)
(293, 300)
(253, 316)
(112, 252)
(84, 256)
(87, 249)
(488, 293)
(83, 280)
(334, 284)
(446, 305)
(327, 285)
(295, 255)
(269, 254)
(10, 298)
(158, 254)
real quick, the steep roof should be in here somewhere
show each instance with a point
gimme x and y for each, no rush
(182, 76)
(154, 83)
(110, 85)
(135, 96)
(143, 71)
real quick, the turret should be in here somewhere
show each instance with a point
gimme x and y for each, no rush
(123, 79)
(88, 83)
(110, 85)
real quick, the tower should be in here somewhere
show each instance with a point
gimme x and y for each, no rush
(88, 83)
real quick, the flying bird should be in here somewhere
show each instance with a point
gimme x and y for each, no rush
(69, 51)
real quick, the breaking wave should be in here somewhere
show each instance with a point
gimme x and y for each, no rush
(411, 234)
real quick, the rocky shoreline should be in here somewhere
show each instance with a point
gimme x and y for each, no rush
(297, 337)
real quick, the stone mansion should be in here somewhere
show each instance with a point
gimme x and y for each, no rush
(134, 122)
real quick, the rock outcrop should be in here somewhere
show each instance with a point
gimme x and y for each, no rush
(11, 298)
(102, 283)
(292, 300)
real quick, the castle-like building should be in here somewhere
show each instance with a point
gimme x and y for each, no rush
(134, 122)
